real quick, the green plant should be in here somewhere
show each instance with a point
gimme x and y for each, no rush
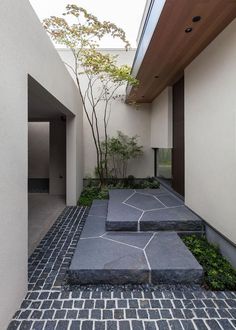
(93, 189)
(150, 182)
(120, 150)
(103, 193)
(130, 182)
(92, 192)
(219, 274)
(104, 75)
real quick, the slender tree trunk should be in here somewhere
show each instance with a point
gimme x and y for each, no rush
(106, 139)
(100, 160)
(96, 143)
(114, 165)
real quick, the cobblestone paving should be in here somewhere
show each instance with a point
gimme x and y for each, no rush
(50, 304)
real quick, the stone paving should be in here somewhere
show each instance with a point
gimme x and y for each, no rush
(130, 257)
(149, 210)
(51, 304)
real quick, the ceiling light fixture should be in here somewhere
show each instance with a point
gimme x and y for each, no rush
(189, 29)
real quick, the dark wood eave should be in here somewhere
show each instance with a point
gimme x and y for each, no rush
(171, 49)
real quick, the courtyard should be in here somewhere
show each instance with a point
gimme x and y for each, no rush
(118, 165)
(53, 304)
(54, 301)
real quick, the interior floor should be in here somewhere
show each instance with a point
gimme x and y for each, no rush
(43, 210)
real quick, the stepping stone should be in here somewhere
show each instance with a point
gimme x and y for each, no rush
(139, 240)
(174, 219)
(171, 261)
(99, 202)
(153, 192)
(98, 209)
(100, 260)
(130, 257)
(94, 227)
(170, 200)
(144, 202)
(95, 222)
(120, 195)
(121, 216)
(149, 210)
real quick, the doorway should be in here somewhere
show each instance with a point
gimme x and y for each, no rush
(46, 177)
(46, 161)
(38, 157)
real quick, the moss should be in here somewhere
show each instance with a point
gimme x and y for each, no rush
(218, 272)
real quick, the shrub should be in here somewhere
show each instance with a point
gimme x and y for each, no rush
(120, 150)
(151, 183)
(92, 192)
(130, 181)
(219, 274)
(103, 194)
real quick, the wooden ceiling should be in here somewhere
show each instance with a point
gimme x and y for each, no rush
(171, 49)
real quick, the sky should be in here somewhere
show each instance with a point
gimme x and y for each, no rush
(126, 14)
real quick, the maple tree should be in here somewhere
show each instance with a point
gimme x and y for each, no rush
(103, 75)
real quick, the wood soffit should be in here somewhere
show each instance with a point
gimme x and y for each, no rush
(171, 49)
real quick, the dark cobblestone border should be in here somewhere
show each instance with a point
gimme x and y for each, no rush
(51, 305)
(49, 262)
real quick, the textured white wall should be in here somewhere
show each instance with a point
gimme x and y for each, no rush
(210, 133)
(38, 152)
(25, 49)
(161, 120)
(123, 117)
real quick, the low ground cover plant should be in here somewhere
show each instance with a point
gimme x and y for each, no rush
(93, 190)
(218, 272)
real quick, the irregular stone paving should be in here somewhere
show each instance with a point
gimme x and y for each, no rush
(149, 210)
(130, 257)
(51, 305)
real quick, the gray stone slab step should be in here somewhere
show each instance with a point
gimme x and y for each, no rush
(130, 257)
(149, 210)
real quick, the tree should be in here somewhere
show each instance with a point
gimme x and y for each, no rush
(104, 75)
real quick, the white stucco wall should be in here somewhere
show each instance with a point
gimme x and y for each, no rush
(38, 152)
(25, 49)
(123, 117)
(210, 133)
(161, 120)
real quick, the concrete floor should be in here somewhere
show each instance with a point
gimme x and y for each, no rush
(43, 212)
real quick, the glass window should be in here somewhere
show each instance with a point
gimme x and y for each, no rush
(165, 163)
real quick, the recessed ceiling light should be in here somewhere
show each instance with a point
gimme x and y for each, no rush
(189, 29)
(196, 19)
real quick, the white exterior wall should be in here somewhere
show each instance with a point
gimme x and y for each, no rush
(25, 49)
(38, 153)
(210, 133)
(74, 159)
(123, 117)
(161, 120)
